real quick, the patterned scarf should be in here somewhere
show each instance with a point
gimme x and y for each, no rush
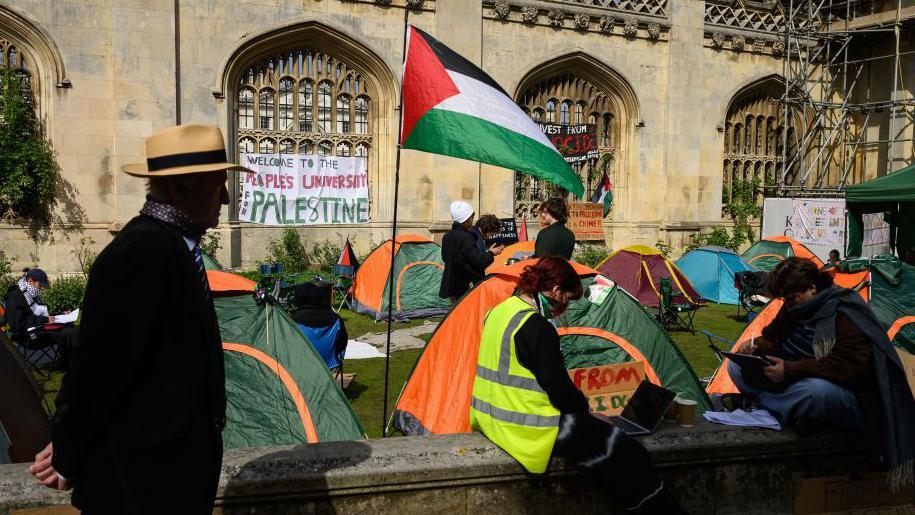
(173, 216)
(33, 297)
(898, 404)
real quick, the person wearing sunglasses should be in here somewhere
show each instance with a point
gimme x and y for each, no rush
(833, 365)
(524, 401)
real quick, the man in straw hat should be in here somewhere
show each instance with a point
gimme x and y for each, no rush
(141, 409)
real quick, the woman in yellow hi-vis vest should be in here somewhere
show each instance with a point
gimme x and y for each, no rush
(524, 401)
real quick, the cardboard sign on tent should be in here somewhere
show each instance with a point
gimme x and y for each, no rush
(639, 269)
(768, 252)
(888, 285)
(711, 270)
(278, 390)
(436, 398)
(418, 270)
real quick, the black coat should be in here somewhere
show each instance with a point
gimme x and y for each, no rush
(19, 316)
(141, 409)
(555, 240)
(465, 264)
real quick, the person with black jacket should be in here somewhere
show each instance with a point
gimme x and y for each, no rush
(465, 264)
(555, 239)
(26, 316)
(140, 413)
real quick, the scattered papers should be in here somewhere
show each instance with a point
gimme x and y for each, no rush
(361, 350)
(756, 418)
(68, 318)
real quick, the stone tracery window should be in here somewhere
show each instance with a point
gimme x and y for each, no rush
(752, 133)
(12, 57)
(579, 97)
(303, 101)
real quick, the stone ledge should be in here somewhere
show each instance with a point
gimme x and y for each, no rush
(468, 474)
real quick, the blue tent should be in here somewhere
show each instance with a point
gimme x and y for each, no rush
(711, 269)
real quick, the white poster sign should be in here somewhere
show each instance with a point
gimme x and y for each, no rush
(817, 223)
(304, 189)
(876, 235)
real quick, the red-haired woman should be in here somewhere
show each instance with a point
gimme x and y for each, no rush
(524, 401)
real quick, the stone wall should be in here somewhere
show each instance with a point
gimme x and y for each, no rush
(676, 63)
(713, 469)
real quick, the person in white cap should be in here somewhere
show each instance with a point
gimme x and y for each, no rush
(465, 265)
(138, 426)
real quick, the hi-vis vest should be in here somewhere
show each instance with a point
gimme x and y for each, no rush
(508, 406)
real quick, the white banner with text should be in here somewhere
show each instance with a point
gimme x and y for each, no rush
(304, 189)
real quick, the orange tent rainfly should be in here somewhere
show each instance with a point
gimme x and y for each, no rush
(225, 283)
(520, 250)
(418, 270)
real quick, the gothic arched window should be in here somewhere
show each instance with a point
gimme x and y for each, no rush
(751, 134)
(303, 101)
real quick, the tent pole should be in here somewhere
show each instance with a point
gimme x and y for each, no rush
(387, 351)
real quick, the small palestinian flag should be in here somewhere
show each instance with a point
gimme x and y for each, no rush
(348, 257)
(604, 194)
(453, 108)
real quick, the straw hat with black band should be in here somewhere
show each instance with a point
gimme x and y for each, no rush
(182, 150)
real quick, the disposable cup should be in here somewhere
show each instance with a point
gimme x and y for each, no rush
(686, 412)
(671, 414)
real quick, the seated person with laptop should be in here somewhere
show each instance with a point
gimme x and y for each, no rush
(525, 402)
(27, 316)
(831, 364)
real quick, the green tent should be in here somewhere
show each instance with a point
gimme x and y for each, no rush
(615, 328)
(894, 196)
(417, 277)
(892, 296)
(210, 263)
(278, 389)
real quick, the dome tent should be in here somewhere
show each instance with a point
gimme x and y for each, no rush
(639, 269)
(768, 252)
(710, 269)
(418, 270)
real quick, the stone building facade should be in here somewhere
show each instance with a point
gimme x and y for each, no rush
(682, 93)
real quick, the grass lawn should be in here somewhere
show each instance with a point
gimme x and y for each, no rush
(367, 390)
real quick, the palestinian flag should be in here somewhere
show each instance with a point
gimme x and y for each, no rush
(604, 194)
(453, 108)
(348, 257)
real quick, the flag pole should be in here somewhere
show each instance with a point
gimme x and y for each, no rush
(387, 357)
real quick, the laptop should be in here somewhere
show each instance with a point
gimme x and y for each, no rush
(644, 411)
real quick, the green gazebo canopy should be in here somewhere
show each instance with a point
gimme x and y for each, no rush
(893, 195)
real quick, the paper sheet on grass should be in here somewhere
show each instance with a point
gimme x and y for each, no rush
(361, 350)
(755, 418)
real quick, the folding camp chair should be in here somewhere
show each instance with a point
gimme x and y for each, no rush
(676, 311)
(42, 354)
(345, 275)
(751, 291)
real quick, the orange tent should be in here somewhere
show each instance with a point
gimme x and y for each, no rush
(522, 247)
(438, 392)
(225, 283)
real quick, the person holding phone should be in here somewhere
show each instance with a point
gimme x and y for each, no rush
(832, 364)
(465, 264)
